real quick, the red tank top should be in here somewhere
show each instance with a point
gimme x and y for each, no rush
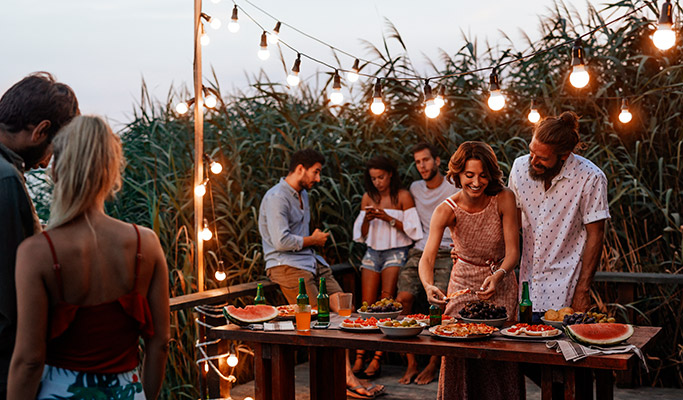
(102, 338)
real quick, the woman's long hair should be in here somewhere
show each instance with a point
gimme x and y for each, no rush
(87, 166)
(385, 164)
(478, 151)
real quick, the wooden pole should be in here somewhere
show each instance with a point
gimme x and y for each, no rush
(198, 144)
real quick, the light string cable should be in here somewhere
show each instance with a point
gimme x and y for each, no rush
(333, 48)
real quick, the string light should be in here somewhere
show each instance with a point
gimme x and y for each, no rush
(204, 39)
(352, 75)
(534, 116)
(496, 99)
(665, 37)
(210, 101)
(293, 77)
(182, 108)
(579, 77)
(214, 22)
(234, 25)
(440, 99)
(625, 115)
(263, 52)
(232, 360)
(431, 109)
(377, 107)
(220, 274)
(206, 367)
(206, 233)
(274, 36)
(216, 167)
(336, 96)
(200, 190)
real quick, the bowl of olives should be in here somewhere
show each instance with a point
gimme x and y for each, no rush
(479, 312)
(404, 328)
(385, 308)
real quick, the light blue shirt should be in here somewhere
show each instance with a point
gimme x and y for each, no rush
(283, 223)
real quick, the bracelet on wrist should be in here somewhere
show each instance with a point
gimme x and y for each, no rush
(501, 269)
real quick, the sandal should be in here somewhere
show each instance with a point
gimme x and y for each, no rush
(353, 393)
(359, 361)
(376, 373)
(375, 393)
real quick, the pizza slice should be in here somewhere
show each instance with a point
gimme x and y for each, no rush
(457, 293)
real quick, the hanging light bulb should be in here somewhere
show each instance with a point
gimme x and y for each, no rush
(232, 360)
(336, 96)
(210, 101)
(665, 37)
(200, 190)
(234, 24)
(206, 367)
(534, 116)
(274, 36)
(182, 108)
(431, 109)
(625, 115)
(220, 274)
(377, 107)
(206, 233)
(579, 77)
(352, 75)
(216, 167)
(263, 52)
(204, 39)
(293, 77)
(214, 22)
(496, 99)
(440, 99)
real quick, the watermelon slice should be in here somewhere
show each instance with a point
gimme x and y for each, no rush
(250, 314)
(599, 334)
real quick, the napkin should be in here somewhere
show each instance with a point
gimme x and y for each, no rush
(278, 326)
(574, 351)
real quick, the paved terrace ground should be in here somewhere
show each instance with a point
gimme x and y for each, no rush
(396, 391)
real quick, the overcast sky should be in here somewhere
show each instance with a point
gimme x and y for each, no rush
(104, 49)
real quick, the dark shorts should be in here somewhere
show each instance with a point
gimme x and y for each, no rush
(288, 278)
(409, 279)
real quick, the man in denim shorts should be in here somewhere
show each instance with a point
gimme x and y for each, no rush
(428, 193)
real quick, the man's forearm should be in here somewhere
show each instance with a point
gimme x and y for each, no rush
(591, 256)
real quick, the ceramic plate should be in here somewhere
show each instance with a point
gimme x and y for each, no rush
(359, 330)
(524, 336)
(459, 338)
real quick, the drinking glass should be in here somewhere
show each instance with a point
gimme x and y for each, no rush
(345, 304)
(303, 318)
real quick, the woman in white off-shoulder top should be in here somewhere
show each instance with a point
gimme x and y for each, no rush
(388, 223)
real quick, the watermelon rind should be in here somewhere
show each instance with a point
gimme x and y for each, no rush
(577, 333)
(233, 314)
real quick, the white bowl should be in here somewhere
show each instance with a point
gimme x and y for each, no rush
(401, 331)
(379, 315)
(554, 324)
(497, 322)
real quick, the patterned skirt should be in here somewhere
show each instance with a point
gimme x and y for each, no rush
(62, 384)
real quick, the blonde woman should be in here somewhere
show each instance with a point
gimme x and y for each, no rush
(90, 285)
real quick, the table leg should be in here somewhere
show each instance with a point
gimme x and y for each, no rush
(328, 373)
(283, 372)
(584, 383)
(547, 383)
(569, 384)
(604, 384)
(263, 370)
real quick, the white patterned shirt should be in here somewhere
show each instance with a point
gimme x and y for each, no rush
(553, 226)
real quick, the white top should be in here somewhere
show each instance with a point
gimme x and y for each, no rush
(426, 201)
(553, 230)
(382, 236)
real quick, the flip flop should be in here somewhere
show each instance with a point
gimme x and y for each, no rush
(377, 392)
(352, 392)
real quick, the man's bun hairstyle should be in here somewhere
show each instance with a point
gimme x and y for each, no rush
(560, 132)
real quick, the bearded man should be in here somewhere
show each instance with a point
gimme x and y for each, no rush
(562, 202)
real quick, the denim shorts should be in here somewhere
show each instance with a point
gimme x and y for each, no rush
(378, 260)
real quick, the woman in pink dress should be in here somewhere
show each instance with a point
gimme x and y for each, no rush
(483, 221)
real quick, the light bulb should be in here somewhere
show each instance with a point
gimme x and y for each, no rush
(439, 101)
(232, 360)
(263, 52)
(431, 109)
(200, 190)
(274, 36)
(248, 398)
(206, 367)
(377, 107)
(534, 116)
(664, 37)
(182, 108)
(336, 97)
(215, 23)
(204, 39)
(293, 80)
(220, 276)
(579, 77)
(216, 168)
(206, 234)
(210, 101)
(625, 115)
(496, 100)
(352, 75)
(234, 25)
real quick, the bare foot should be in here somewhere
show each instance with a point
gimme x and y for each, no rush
(428, 374)
(408, 376)
(374, 389)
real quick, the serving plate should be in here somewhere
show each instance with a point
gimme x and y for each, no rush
(524, 336)
(401, 331)
(359, 330)
(459, 338)
(554, 324)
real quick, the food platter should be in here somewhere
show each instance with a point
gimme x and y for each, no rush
(287, 313)
(435, 331)
(366, 329)
(550, 334)
(360, 325)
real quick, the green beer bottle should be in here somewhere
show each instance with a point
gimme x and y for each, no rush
(323, 303)
(302, 298)
(260, 298)
(525, 309)
(434, 315)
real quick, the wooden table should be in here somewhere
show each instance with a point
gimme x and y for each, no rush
(274, 359)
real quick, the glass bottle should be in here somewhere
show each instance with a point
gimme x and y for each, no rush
(260, 298)
(323, 303)
(434, 315)
(302, 298)
(525, 309)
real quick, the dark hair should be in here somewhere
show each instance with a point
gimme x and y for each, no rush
(424, 145)
(36, 98)
(307, 158)
(385, 164)
(560, 132)
(477, 151)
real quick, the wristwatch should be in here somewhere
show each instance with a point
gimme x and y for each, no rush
(392, 222)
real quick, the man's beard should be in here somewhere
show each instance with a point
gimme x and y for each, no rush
(432, 174)
(33, 155)
(548, 173)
